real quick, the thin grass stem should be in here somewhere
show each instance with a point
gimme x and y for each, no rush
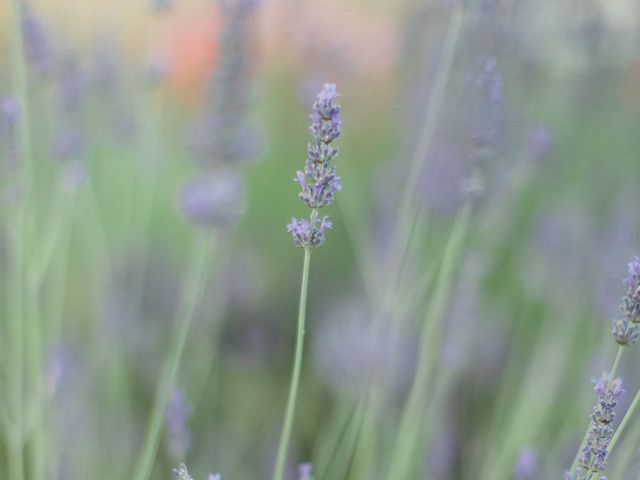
(200, 262)
(283, 445)
(410, 427)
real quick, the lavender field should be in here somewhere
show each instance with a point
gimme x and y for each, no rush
(319, 240)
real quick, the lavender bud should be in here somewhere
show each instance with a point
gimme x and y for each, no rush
(214, 199)
(9, 116)
(214, 477)
(526, 465)
(181, 473)
(304, 471)
(630, 305)
(318, 182)
(309, 234)
(177, 420)
(37, 45)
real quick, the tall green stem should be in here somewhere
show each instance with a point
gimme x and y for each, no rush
(410, 427)
(200, 261)
(295, 376)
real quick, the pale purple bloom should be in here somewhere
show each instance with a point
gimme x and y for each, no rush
(309, 233)
(181, 473)
(304, 471)
(594, 455)
(9, 116)
(540, 141)
(37, 44)
(177, 418)
(318, 182)
(213, 200)
(626, 330)
(214, 477)
(526, 465)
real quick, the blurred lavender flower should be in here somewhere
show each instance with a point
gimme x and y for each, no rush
(526, 467)
(348, 352)
(181, 473)
(213, 200)
(9, 116)
(304, 471)
(626, 330)
(177, 421)
(593, 457)
(318, 181)
(223, 133)
(37, 44)
(540, 141)
(69, 141)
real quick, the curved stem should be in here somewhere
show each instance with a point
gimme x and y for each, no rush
(295, 375)
(191, 292)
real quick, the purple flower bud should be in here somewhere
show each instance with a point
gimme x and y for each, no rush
(177, 422)
(630, 305)
(37, 44)
(527, 464)
(304, 471)
(213, 200)
(214, 477)
(181, 473)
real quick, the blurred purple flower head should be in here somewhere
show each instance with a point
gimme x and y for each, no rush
(214, 476)
(215, 199)
(484, 109)
(9, 111)
(630, 304)
(69, 144)
(526, 467)
(74, 175)
(177, 421)
(181, 473)
(304, 471)
(540, 141)
(633, 275)
(223, 133)
(37, 44)
(9, 117)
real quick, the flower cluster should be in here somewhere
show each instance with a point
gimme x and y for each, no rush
(181, 473)
(318, 181)
(626, 330)
(594, 454)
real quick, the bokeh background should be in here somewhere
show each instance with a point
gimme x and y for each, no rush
(536, 118)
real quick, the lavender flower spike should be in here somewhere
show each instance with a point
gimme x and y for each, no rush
(626, 330)
(594, 454)
(318, 181)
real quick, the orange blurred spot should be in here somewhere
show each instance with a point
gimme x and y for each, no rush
(190, 45)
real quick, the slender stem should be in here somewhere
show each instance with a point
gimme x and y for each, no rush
(436, 99)
(295, 376)
(410, 426)
(612, 373)
(191, 292)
